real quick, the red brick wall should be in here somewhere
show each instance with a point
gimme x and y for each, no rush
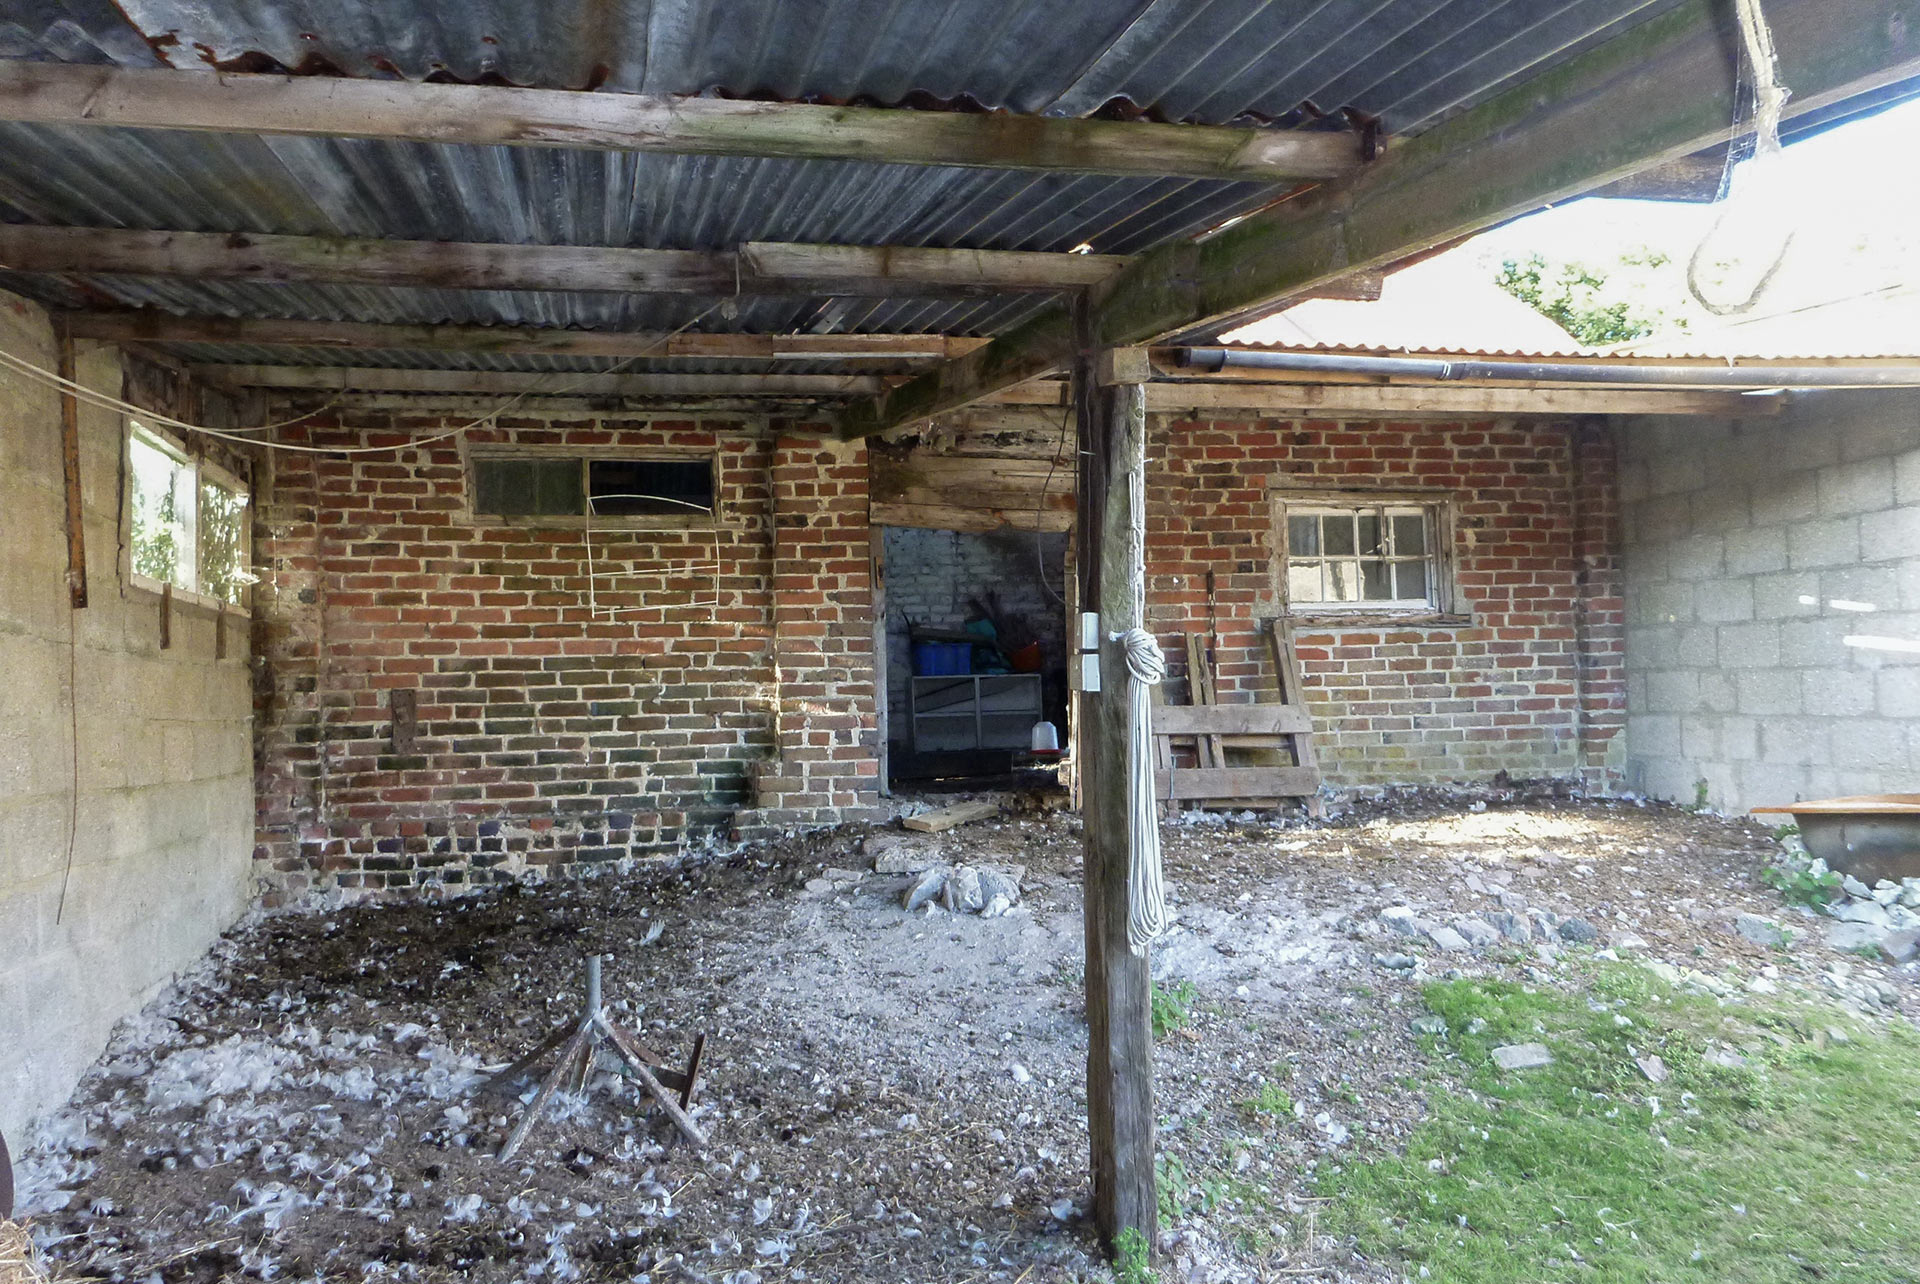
(1535, 569)
(550, 737)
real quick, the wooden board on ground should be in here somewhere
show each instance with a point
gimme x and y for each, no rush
(938, 822)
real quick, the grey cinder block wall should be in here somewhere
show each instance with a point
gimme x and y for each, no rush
(157, 805)
(1773, 600)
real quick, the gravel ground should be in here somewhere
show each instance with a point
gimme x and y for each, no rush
(889, 1096)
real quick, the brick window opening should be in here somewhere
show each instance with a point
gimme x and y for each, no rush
(187, 521)
(1360, 555)
(572, 489)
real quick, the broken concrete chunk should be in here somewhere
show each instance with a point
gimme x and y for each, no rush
(1628, 942)
(1479, 934)
(998, 884)
(1724, 1057)
(1867, 911)
(900, 853)
(962, 893)
(1403, 920)
(1522, 1056)
(1579, 931)
(1759, 930)
(924, 889)
(834, 875)
(1653, 1067)
(1848, 937)
(1512, 926)
(1446, 938)
(1901, 947)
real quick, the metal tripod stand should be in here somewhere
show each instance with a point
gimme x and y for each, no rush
(593, 1033)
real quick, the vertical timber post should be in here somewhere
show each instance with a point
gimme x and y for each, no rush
(70, 472)
(1110, 404)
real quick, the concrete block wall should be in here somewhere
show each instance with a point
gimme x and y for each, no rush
(1773, 601)
(932, 575)
(1525, 678)
(552, 736)
(157, 808)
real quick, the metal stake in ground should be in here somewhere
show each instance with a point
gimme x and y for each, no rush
(579, 1041)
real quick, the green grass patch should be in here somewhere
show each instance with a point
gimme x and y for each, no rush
(1801, 1164)
(1171, 1006)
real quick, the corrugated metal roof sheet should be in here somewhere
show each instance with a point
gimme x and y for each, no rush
(1409, 61)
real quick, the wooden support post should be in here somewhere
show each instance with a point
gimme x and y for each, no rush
(70, 469)
(1120, 1119)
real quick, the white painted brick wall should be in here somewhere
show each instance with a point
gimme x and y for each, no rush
(1740, 538)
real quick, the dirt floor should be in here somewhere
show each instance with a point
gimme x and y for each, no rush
(889, 1096)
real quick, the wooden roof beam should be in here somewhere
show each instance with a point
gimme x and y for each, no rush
(756, 269)
(553, 384)
(1664, 89)
(325, 106)
(148, 326)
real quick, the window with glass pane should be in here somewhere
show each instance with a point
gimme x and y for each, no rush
(162, 507)
(1361, 557)
(223, 542)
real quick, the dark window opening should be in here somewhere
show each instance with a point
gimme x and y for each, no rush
(650, 487)
(536, 486)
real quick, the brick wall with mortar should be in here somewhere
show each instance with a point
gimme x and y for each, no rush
(563, 722)
(1527, 681)
(1773, 573)
(157, 809)
(932, 575)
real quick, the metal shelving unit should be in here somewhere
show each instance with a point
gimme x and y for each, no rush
(973, 711)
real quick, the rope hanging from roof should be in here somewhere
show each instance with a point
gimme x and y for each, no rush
(1761, 176)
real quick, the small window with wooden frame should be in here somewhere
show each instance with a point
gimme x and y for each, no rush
(649, 489)
(188, 523)
(1366, 555)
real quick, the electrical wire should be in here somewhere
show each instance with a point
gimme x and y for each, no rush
(1040, 508)
(101, 400)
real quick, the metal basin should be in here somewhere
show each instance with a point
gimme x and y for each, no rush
(1870, 836)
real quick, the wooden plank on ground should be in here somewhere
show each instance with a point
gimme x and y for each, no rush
(938, 822)
(1223, 783)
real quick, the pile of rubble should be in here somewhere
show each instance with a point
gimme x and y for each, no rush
(933, 883)
(1884, 917)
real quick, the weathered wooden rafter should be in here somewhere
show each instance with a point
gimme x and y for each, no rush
(161, 327)
(754, 270)
(557, 384)
(316, 106)
(1664, 89)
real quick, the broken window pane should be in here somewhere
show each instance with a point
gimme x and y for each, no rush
(1304, 583)
(161, 511)
(1343, 582)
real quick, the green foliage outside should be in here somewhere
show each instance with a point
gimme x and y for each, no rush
(1799, 1164)
(1598, 305)
(159, 536)
(223, 555)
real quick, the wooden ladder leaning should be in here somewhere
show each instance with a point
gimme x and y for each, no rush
(1278, 729)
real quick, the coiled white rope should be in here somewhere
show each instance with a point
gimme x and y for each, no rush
(1146, 884)
(1146, 666)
